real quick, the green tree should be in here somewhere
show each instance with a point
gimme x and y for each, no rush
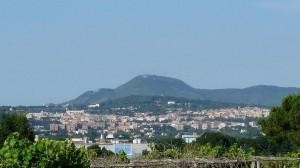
(283, 123)
(101, 152)
(216, 139)
(262, 145)
(15, 122)
(45, 153)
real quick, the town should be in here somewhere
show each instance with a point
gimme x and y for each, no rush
(85, 128)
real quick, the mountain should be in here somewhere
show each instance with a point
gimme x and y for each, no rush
(259, 95)
(153, 85)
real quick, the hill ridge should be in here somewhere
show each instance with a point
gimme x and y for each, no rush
(155, 85)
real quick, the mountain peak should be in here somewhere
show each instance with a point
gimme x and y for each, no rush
(145, 76)
(150, 76)
(151, 79)
(154, 85)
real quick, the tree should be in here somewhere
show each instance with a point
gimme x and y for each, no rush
(216, 139)
(101, 152)
(15, 122)
(283, 123)
(45, 153)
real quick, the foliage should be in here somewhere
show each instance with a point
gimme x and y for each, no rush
(96, 151)
(283, 124)
(121, 157)
(196, 150)
(173, 153)
(145, 152)
(236, 152)
(216, 139)
(155, 155)
(100, 152)
(208, 151)
(164, 143)
(203, 151)
(294, 154)
(19, 152)
(16, 152)
(262, 145)
(223, 146)
(15, 122)
(164, 147)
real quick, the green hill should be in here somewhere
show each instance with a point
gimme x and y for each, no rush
(165, 86)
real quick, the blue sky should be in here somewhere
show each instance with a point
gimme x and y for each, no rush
(52, 51)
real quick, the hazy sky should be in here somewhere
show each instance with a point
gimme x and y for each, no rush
(52, 51)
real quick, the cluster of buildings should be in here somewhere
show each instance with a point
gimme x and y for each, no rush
(85, 127)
